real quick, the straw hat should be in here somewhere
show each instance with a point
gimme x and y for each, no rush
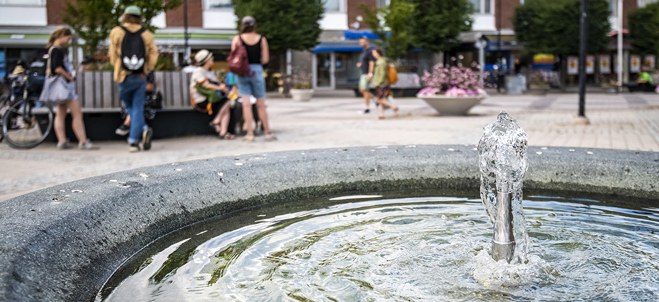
(18, 69)
(202, 56)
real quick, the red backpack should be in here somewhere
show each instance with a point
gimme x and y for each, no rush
(238, 62)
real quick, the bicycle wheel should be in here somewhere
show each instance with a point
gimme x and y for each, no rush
(24, 126)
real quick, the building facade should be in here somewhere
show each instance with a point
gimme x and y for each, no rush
(26, 24)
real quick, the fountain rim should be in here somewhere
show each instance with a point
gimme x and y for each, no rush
(62, 246)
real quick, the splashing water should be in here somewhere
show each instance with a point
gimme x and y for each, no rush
(503, 162)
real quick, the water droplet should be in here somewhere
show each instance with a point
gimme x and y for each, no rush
(571, 150)
(76, 191)
(544, 148)
(239, 164)
(113, 180)
(539, 153)
(589, 152)
(179, 169)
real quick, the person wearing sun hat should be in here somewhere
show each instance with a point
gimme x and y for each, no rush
(134, 54)
(208, 95)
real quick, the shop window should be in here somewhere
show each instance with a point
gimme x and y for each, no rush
(219, 4)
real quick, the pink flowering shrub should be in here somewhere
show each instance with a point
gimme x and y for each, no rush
(454, 80)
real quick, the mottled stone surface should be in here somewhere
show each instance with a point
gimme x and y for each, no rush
(62, 243)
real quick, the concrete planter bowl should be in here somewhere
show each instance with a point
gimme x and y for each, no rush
(63, 242)
(447, 105)
(301, 95)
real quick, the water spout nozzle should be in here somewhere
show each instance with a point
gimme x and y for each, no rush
(503, 244)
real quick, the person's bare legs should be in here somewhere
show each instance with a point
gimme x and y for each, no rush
(380, 109)
(248, 116)
(384, 102)
(367, 97)
(127, 120)
(223, 119)
(263, 115)
(60, 119)
(77, 122)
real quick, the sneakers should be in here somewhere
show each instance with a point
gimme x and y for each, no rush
(64, 145)
(87, 146)
(133, 148)
(123, 130)
(365, 111)
(146, 138)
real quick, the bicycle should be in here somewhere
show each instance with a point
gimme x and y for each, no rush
(24, 125)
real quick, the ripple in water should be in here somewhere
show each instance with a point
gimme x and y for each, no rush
(402, 249)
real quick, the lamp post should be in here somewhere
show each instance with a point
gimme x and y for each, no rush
(186, 56)
(619, 65)
(582, 58)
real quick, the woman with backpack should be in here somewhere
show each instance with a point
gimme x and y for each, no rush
(253, 84)
(58, 65)
(381, 82)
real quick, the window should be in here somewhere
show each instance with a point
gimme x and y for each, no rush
(642, 3)
(219, 4)
(482, 6)
(383, 3)
(332, 5)
(613, 6)
(24, 2)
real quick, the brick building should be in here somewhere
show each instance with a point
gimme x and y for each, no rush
(26, 24)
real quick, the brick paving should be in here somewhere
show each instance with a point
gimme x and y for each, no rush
(330, 120)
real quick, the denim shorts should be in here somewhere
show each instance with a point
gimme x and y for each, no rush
(254, 84)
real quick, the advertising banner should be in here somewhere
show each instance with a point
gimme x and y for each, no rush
(572, 65)
(605, 64)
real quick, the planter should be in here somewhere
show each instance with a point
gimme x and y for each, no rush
(301, 95)
(448, 105)
(537, 89)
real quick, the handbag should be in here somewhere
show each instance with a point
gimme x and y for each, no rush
(55, 88)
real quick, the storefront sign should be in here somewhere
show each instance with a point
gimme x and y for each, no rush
(635, 64)
(590, 64)
(543, 61)
(605, 64)
(650, 61)
(572, 65)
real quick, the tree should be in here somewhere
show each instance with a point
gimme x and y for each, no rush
(392, 25)
(553, 27)
(150, 9)
(91, 20)
(644, 29)
(286, 24)
(435, 25)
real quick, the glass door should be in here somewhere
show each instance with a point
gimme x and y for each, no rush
(323, 70)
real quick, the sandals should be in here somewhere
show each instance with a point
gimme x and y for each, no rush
(215, 126)
(227, 136)
(270, 138)
(248, 138)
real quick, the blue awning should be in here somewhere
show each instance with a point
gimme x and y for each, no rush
(347, 46)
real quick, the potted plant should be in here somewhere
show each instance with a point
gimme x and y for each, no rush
(538, 81)
(302, 87)
(452, 90)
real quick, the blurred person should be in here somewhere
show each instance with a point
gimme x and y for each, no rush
(366, 65)
(209, 96)
(381, 83)
(192, 66)
(258, 54)
(59, 65)
(134, 54)
(645, 82)
(152, 102)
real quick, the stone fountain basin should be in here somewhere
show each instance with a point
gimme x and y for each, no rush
(59, 244)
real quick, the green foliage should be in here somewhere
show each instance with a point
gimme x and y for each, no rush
(286, 24)
(150, 9)
(92, 20)
(435, 25)
(392, 25)
(644, 29)
(553, 27)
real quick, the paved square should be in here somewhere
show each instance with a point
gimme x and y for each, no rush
(330, 120)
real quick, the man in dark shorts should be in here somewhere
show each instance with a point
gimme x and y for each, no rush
(367, 65)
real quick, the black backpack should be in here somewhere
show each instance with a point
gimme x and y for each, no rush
(132, 51)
